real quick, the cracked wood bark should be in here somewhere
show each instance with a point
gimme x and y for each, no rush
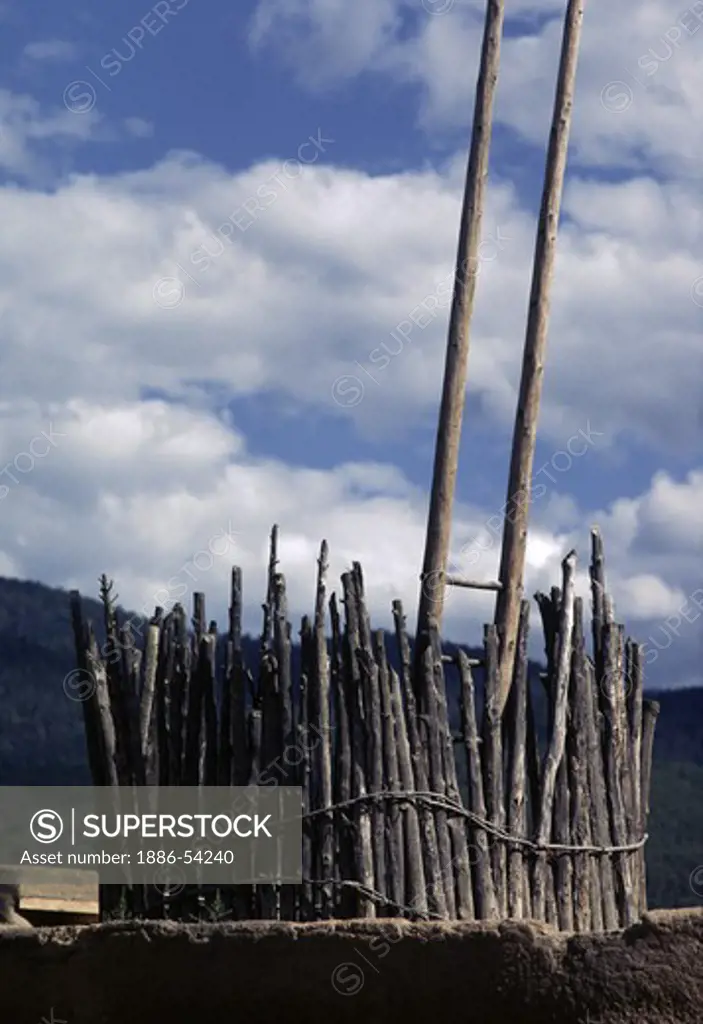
(486, 903)
(363, 850)
(650, 713)
(370, 709)
(517, 750)
(307, 895)
(633, 695)
(415, 894)
(557, 742)
(437, 903)
(395, 861)
(549, 612)
(282, 654)
(416, 878)
(430, 721)
(614, 754)
(600, 819)
(577, 756)
(346, 900)
(320, 720)
(634, 677)
(492, 758)
(457, 825)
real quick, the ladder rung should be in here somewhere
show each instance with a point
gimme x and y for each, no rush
(449, 659)
(459, 581)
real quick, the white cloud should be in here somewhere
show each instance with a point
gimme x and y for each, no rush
(331, 262)
(25, 128)
(55, 50)
(165, 500)
(338, 260)
(138, 127)
(37, 142)
(638, 84)
(366, 28)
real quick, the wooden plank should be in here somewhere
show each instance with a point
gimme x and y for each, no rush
(55, 905)
(56, 890)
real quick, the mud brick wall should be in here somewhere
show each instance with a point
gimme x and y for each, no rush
(339, 972)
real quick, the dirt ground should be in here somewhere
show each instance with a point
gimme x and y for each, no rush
(377, 973)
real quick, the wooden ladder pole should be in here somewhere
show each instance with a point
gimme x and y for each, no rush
(512, 562)
(455, 368)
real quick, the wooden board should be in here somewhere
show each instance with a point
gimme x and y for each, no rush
(56, 890)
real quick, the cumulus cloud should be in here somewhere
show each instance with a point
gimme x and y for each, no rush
(168, 271)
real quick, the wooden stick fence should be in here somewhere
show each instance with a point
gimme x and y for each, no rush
(416, 804)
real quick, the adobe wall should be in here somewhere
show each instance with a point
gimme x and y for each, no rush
(336, 973)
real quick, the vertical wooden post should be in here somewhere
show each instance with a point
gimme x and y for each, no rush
(512, 562)
(455, 367)
(557, 740)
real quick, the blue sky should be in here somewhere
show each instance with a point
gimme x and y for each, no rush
(193, 393)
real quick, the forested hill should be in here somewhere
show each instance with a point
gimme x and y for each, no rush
(41, 731)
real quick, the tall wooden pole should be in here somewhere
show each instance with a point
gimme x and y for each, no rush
(512, 562)
(455, 367)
